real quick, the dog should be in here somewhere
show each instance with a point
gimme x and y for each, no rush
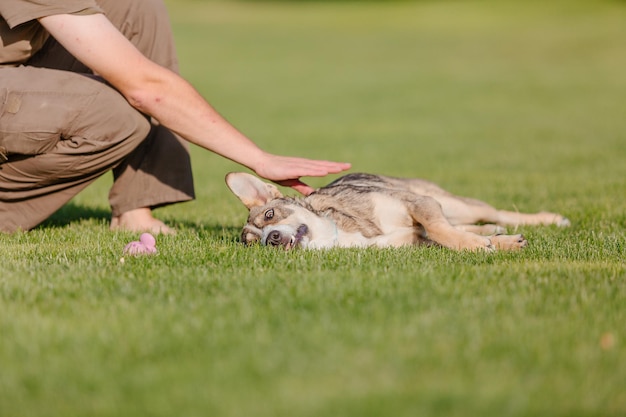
(361, 210)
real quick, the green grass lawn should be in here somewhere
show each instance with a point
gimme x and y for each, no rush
(517, 103)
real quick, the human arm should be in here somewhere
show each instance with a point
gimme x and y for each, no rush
(171, 100)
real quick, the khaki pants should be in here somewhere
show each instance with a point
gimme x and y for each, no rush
(61, 128)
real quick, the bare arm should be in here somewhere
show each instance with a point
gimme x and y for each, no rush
(171, 100)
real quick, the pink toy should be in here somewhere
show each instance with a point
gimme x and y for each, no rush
(146, 245)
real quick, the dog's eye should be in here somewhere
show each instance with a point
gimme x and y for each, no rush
(269, 214)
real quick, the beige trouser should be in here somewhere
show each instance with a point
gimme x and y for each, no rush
(61, 128)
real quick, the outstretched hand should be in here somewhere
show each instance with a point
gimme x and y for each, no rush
(286, 171)
(172, 101)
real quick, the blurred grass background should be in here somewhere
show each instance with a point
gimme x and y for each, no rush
(517, 103)
(513, 93)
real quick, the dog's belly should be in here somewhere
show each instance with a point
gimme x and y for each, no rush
(344, 240)
(399, 237)
(393, 222)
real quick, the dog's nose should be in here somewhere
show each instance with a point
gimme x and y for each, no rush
(274, 238)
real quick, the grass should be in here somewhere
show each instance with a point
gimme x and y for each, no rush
(516, 103)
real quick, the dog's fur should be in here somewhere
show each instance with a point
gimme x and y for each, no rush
(375, 210)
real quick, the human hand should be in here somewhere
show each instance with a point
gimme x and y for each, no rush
(286, 171)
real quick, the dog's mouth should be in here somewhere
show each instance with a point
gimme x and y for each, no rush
(285, 236)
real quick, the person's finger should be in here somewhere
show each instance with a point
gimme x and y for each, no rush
(297, 185)
(287, 170)
(321, 168)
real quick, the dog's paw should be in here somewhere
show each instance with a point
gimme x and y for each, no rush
(509, 242)
(476, 243)
(548, 218)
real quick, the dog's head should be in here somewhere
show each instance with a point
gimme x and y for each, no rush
(274, 219)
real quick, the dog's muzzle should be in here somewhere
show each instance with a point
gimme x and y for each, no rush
(284, 235)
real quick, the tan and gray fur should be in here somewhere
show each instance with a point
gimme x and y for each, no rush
(376, 210)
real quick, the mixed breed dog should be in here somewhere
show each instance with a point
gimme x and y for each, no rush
(375, 210)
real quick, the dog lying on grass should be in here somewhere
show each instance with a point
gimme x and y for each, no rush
(375, 210)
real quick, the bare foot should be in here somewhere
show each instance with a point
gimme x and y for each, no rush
(140, 220)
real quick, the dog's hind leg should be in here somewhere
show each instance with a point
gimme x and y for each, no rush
(468, 211)
(481, 229)
(514, 218)
(427, 212)
(496, 235)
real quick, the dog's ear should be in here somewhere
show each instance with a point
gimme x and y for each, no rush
(250, 190)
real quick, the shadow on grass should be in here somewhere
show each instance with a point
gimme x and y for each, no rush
(213, 231)
(73, 213)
